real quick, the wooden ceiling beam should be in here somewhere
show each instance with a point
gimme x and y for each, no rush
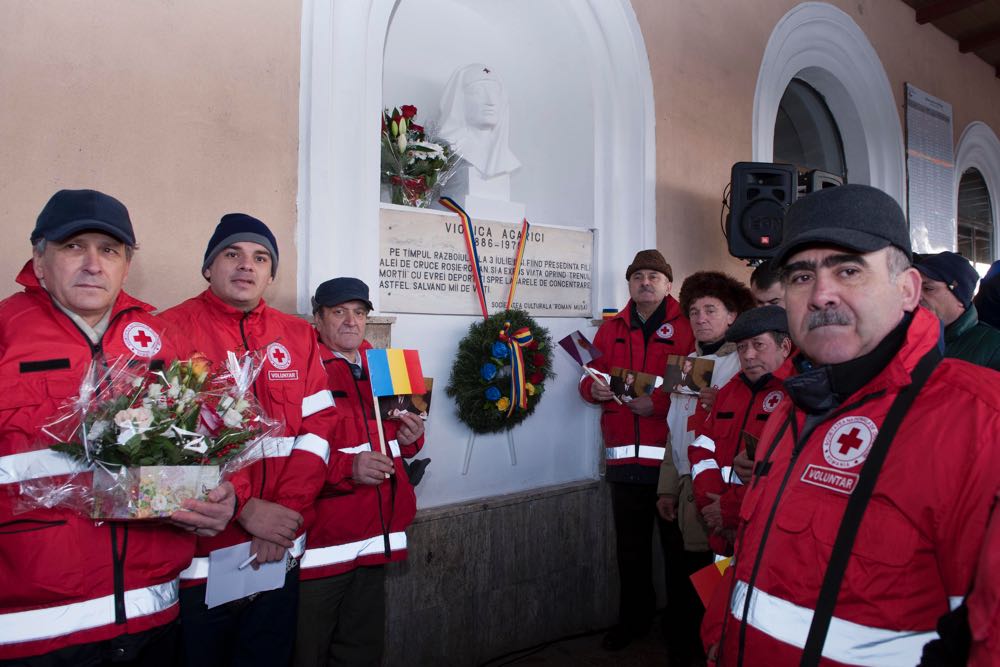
(938, 9)
(979, 40)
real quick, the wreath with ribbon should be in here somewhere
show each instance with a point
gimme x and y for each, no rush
(499, 372)
(503, 361)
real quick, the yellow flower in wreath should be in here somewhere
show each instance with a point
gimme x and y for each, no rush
(530, 388)
(503, 404)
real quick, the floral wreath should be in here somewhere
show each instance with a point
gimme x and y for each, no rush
(484, 377)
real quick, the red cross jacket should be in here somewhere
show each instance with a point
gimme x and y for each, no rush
(741, 406)
(350, 528)
(628, 438)
(64, 579)
(918, 543)
(291, 387)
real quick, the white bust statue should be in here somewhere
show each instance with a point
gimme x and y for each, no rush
(475, 120)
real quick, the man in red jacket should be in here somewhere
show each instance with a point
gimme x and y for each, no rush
(275, 494)
(874, 413)
(72, 591)
(647, 330)
(342, 601)
(738, 414)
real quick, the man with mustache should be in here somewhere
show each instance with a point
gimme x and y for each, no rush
(72, 591)
(864, 518)
(276, 494)
(641, 337)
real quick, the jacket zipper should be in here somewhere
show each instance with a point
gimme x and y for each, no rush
(246, 347)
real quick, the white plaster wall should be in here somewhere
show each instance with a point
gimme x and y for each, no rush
(582, 125)
(537, 50)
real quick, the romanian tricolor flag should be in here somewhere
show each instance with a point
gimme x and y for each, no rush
(394, 371)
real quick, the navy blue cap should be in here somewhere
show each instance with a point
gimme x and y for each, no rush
(236, 227)
(756, 321)
(856, 217)
(954, 271)
(341, 290)
(70, 212)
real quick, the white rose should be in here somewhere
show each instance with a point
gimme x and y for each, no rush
(98, 428)
(232, 418)
(154, 391)
(174, 391)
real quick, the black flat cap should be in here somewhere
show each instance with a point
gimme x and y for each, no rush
(70, 212)
(756, 321)
(856, 217)
(341, 290)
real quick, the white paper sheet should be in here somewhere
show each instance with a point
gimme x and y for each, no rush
(226, 582)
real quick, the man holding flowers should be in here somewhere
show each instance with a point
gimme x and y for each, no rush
(73, 592)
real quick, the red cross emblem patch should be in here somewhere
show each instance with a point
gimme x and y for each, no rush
(666, 330)
(279, 356)
(772, 400)
(141, 339)
(848, 441)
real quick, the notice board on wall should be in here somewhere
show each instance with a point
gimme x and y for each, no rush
(930, 169)
(424, 266)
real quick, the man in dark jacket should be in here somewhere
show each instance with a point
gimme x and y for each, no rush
(641, 337)
(948, 283)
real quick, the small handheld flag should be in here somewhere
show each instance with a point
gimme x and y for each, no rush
(707, 579)
(578, 347)
(395, 371)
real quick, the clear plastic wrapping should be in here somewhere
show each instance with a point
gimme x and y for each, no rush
(137, 442)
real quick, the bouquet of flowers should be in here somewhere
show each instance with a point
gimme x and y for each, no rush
(414, 165)
(148, 439)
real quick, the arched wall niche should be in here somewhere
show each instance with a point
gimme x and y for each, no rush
(582, 123)
(979, 147)
(823, 46)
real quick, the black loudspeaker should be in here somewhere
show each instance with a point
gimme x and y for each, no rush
(760, 194)
(815, 180)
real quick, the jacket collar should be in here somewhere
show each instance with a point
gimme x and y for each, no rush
(724, 351)
(29, 281)
(672, 313)
(815, 390)
(224, 310)
(966, 321)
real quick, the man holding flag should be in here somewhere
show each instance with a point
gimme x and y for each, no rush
(342, 601)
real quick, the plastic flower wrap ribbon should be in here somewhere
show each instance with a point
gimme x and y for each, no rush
(515, 343)
(139, 439)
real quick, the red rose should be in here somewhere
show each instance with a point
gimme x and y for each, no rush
(408, 111)
(538, 359)
(417, 128)
(533, 345)
(536, 378)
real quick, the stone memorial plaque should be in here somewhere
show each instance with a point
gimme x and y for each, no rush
(424, 266)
